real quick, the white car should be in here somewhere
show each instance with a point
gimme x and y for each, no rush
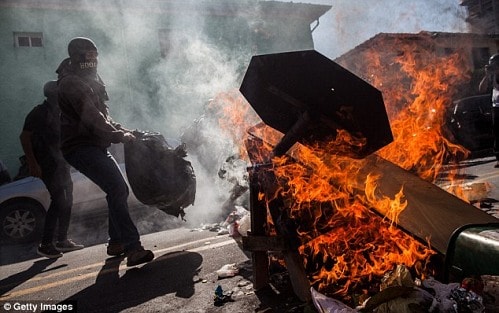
(24, 203)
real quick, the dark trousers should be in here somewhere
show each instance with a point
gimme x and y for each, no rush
(100, 167)
(495, 126)
(57, 180)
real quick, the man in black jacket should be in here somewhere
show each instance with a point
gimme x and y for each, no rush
(87, 131)
(491, 79)
(40, 142)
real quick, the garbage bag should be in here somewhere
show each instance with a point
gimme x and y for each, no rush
(159, 174)
(325, 304)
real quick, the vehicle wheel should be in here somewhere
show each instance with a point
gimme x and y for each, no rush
(21, 221)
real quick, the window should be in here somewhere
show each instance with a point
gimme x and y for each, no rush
(28, 39)
(480, 56)
(444, 51)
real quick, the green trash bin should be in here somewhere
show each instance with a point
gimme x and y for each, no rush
(473, 250)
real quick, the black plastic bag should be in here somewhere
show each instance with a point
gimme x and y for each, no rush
(158, 173)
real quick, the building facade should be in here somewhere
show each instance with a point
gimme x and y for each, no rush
(427, 47)
(483, 15)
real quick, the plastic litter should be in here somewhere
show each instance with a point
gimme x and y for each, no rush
(238, 222)
(467, 301)
(221, 297)
(325, 304)
(228, 270)
(399, 294)
(244, 225)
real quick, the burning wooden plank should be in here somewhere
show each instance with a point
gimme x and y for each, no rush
(431, 214)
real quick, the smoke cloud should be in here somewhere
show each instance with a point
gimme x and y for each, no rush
(349, 23)
(170, 94)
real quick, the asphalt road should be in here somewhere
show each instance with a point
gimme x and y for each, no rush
(478, 179)
(182, 278)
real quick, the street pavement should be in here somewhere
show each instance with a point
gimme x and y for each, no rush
(183, 276)
(478, 180)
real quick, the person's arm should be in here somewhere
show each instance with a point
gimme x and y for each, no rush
(33, 166)
(484, 83)
(81, 101)
(4, 174)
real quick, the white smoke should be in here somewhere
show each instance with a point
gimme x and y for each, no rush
(349, 23)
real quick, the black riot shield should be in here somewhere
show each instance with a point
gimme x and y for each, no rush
(308, 96)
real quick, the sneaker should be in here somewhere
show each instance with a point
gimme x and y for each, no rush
(139, 256)
(115, 249)
(48, 251)
(68, 245)
(497, 164)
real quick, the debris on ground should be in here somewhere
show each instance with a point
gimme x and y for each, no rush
(325, 304)
(221, 296)
(228, 270)
(491, 292)
(400, 294)
(238, 223)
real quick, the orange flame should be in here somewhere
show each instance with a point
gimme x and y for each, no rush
(418, 87)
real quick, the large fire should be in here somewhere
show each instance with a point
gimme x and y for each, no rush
(345, 245)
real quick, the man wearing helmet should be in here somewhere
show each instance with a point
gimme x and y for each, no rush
(87, 131)
(40, 142)
(491, 79)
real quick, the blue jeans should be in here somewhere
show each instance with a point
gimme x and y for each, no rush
(101, 168)
(57, 179)
(495, 126)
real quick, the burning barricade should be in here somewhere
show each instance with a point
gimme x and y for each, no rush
(330, 190)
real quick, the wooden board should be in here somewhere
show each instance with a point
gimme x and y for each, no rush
(431, 212)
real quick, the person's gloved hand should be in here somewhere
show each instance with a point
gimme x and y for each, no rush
(128, 137)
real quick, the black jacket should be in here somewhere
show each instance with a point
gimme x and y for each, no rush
(84, 115)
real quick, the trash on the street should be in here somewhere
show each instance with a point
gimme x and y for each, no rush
(228, 270)
(399, 294)
(221, 297)
(474, 284)
(238, 223)
(223, 231)
(244, 225)
(491, 292)
(467, 301)
(400, 276)
(325, 304)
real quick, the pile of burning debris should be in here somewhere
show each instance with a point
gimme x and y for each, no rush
(400, 293)
(395, 292)
(349, 205)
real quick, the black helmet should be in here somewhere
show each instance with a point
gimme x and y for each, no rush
(50, 89)
(78, 49)
(78, 46)
(494, 60)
